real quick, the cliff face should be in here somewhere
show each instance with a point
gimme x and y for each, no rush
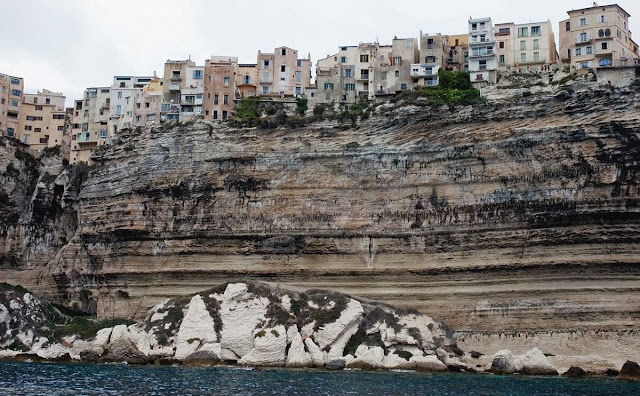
(514, 219)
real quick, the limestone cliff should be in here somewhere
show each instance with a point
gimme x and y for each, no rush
(514, 221)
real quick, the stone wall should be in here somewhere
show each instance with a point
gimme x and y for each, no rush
(619, 76)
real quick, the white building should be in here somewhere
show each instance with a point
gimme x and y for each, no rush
(124, 94)
(483, 62)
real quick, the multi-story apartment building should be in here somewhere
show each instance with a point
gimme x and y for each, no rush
(458, 53)
(368, 70)
(125, 95)
(526, 48)
(11, 94)
(282, 73)
(597, 36)
(483, 63)
(247, 80)
(42, 118)
(148, 104)
(183, 89)
(221, 86)
(434, 55)
(90, 127)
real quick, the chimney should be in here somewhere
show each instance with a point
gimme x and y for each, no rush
(595, 4)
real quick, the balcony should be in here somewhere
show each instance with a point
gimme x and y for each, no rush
(176, 77)
(590, 40)
(482, 54)
(174, 87)
(419, 71)
(363, 77)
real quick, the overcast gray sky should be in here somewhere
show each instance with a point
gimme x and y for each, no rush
(68, 45)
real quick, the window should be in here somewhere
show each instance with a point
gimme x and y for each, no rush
(602, 19)
(224, 114)
(583, 22)
(15, 103)
(266, 64)
(604, 62)
(364, 58)
(523, 57)
(37, 129)
(397, 73)
(298, 63)
(474, 26)
(523, 45)
(607, 32)
(15, 81)
(43, 140)
(589, 50)
(343, 59)
(60, 127)
(583, 37)
(27, 127)
(147, 104)
(350, 87)
(283, 52)
(299, 77)
(567, 26)
(482, 65)
(364, 74)
(225, 81)
(151, 117)
(605, 46)
(502, 61)
(35, 100)
(39, 108)
(536, 44)
(197, 74)
(283, 68)
(403, 86)
(265, 89)
(10, 132)
(103, 134)
(397, 60)
(328, 85)
(16, 92)
(298, 90)
(265, 76)
(601, 33)
(535, 30)
(536, 57)
(225, 99)
(119, 109)
(430, 59)
(215, 99)
(578, 51)
(119, 94)
(215, 114)
(348, 73)
(246, 79)
(523, 32)
(501, 45)
(209, 78)
(619, 34)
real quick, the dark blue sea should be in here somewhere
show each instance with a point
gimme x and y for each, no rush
(84, 379)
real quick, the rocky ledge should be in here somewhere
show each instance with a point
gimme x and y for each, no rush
(261, 325)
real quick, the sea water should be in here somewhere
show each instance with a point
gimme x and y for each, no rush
(117, 379)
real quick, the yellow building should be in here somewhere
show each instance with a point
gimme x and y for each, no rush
(597, 36)
(42, 119)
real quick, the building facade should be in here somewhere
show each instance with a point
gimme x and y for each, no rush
(11, 96)
(526, 48)
(125, 95)
(597, 36)
(183, 90)
(434, 55)
(221, 86)
(148, 105)
(458, 53)
(90, 125)
(282, 73)
(42, 120)
(483, 63)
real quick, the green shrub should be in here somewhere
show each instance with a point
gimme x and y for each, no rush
(248, 111)
(454, 80)
(301, 106)
(86, 327)
(50, 151)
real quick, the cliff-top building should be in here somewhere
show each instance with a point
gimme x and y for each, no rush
(11, 94)
(90, 127)
(42, 120)
(597, 36)
(483, 63)
(526, 48)
(282, 73)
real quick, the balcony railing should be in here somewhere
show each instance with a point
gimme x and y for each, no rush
(481, 54)
(176, 77)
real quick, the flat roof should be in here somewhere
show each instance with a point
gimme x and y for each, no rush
(600, 6)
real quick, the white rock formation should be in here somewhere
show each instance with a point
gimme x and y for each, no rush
(535, 363)
(317, 357)
(332, 331)
(395, 362)
(102, 337)
(428, 363)
(196, 328)
(241, 312)
(504, 362)
(366, 357)
(297, 356)
(269, 350)
(337, 348)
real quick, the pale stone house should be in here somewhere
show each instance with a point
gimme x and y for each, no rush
(90, 127)
(282, 73)
(526, 48)
(597, 36)
(11, 94)
(183, 90)
(458, 59)
(125, 94)
(42, 119)
(221, 86)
